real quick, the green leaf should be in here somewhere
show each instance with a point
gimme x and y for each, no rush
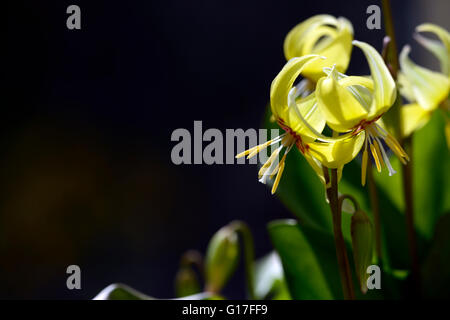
(435, 270)
(310, 266)
(270, 282)
(309, 260)
(431, 175)
(118, 291)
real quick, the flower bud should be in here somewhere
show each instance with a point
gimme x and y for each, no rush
(186, 282)
(362, 242)
(222, 257)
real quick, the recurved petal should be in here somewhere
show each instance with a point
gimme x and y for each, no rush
(316, 165)
(413, 118)
(336, 47)
(340, 108)
(308, 109)
(440, 50)
(324, 35)
(428, 87)
(338, 153)
(282, 84)
(405, 87)
(295, 39)
(384, 92)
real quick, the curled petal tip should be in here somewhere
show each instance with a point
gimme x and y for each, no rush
(405, 52)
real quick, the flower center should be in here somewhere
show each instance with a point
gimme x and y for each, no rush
(363, 124)
(297, 139)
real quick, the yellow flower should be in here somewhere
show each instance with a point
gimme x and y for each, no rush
(425, 89)
(352, 106)
(324, 35)
(290, 116)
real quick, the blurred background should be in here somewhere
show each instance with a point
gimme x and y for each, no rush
(86, 176)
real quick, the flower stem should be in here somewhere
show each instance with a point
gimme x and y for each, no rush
(376, 212)
(409, 213)
(249, 255)
(341, 250)
(392, 56)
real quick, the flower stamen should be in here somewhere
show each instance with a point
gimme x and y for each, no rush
(374, 134)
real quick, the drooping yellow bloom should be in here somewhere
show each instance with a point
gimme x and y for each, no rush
(324, 35)
(290, 117)
(352, 106)
(427, 90)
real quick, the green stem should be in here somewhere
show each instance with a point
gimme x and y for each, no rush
(392, 54)
(375, 210)
(407, 145)
(249, 255)
(409, 213)
(341, 250)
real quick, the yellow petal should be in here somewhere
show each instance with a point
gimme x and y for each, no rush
(295, 112)
(338, 153)
(308, 109)
(323, 35)
(316, 165)
(339, 172)
(428, 87)
(405, 87)
(283, 82)
(291, 111)
(441, 51)
(338, 105)
(294, 41)
(413, 118)
(385, 91)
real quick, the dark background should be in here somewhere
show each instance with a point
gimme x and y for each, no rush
(86, 176)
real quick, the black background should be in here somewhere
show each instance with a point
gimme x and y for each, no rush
(86, 176)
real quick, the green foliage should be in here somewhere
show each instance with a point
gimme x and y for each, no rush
(270, 282)
(222, 258)
(119, 291)
(306, 251)
(435, 270)
(304, 264)
(186, 282)
(309, 260)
